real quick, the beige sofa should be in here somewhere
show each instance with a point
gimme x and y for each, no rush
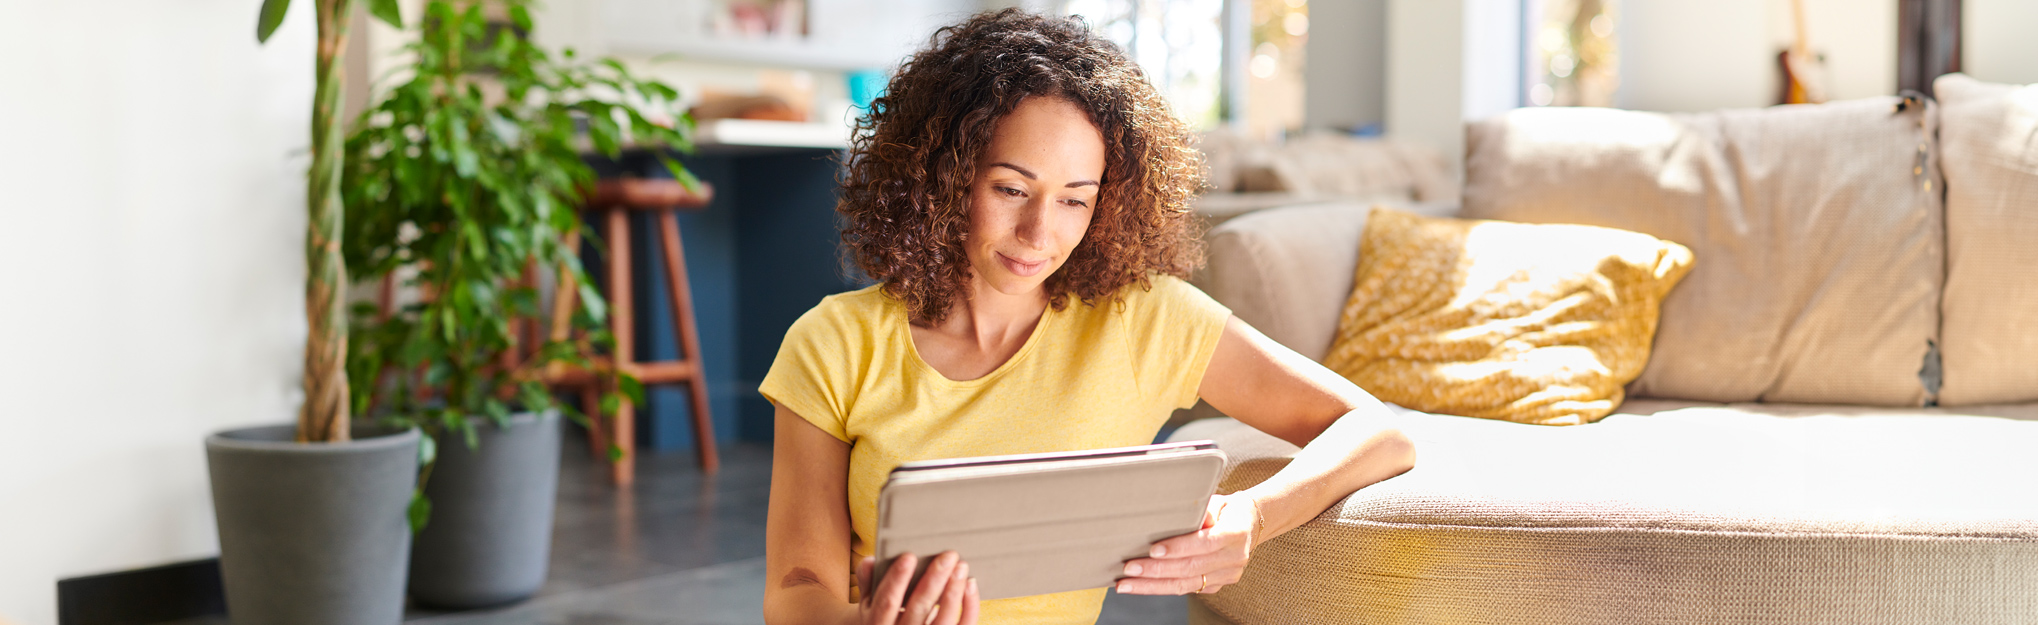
(1795, 451)
(1248, 175)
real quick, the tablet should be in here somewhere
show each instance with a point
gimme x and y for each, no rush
(1042, 523)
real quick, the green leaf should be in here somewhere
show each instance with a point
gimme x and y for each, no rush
(465, 161)
(428, 450)
(615, 453)
(574, 415)
(591, 301)
(497, 413)
(631, 387)
(270, 18)
(420, 511)
(477, 244)
(519, 16)
(679, 172)
(611, 403)
(386, 10)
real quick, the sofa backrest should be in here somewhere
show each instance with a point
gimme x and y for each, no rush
(1818, 233)
(1287, 271)
(1989, 135)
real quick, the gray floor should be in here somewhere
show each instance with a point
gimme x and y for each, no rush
(676, 548)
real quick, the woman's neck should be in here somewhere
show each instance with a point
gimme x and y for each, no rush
(994, 321)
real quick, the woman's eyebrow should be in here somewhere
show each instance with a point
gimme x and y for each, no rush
(1029, 175)
(1022, 171)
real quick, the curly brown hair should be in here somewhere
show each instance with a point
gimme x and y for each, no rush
(905, 190)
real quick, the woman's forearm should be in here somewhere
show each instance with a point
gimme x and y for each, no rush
(807, 604)
(1356, 451)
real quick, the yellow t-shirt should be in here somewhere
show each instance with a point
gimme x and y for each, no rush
(1088, 377)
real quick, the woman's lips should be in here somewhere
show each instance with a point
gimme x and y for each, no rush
(1019, 268)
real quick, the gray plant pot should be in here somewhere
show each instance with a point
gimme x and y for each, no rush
(312, 533)
(490, 533)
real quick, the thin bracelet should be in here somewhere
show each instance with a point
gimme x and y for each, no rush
(1259, 523)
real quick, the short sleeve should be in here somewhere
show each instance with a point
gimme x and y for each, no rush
(1175, 328)
(815, 372)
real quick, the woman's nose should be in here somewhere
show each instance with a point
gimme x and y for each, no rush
(1032, 226)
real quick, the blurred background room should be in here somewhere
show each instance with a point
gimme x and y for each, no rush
(153, 254)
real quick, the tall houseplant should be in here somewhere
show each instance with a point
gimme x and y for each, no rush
(324, 416)
(463, 182)
(311, 515)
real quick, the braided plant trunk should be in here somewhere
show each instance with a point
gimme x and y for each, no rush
(325, 415)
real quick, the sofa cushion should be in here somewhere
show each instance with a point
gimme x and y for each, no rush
(1667, 512)
(1817, 229)
(1989, 142)
(1286, 271)
(1532, 323)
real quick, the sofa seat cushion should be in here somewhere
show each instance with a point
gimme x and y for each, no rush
(1666, 513)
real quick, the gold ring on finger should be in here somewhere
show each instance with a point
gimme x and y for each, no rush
(1205, 579)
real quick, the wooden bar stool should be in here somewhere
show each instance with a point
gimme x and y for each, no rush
(612, 199)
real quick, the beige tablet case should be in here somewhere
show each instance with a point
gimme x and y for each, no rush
(1044, 523)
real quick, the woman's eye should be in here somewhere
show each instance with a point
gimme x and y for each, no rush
(1075, 203)
(1009, 191)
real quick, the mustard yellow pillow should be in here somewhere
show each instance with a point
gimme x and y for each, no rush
(1530, 323)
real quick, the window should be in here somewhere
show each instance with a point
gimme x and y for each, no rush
(1180, 44)
(1274, 86)
(1573, 57)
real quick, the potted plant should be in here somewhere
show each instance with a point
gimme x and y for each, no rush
(463, 182)
(311, 516)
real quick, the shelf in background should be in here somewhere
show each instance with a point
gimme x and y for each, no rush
(722, 135)
(800, 54)
(838, 35)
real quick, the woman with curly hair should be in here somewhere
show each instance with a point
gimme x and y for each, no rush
(1021, 193)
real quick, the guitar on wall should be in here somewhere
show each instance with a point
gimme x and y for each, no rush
(1803, 72)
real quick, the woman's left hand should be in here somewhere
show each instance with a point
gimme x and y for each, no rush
(1202, 561)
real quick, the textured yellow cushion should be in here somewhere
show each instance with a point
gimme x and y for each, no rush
(1530, 323)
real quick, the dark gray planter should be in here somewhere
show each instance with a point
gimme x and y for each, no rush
(490, 534)
(312, 533)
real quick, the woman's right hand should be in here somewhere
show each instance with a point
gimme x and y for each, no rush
(946, 594)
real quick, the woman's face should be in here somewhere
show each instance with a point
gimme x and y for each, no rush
(1035, 189)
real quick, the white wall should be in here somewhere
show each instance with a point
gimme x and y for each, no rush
(1857, 37)
(1345, 75)
(1425, 57)
(151, 227)
(1682, 55)
(1997, 44)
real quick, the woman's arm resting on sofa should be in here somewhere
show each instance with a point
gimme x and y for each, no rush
(1347, 443)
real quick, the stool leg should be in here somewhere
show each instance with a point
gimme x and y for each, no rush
(624, 470)
(622, 430)
(689, 339)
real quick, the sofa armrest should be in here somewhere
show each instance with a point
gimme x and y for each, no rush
(1287, 271)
